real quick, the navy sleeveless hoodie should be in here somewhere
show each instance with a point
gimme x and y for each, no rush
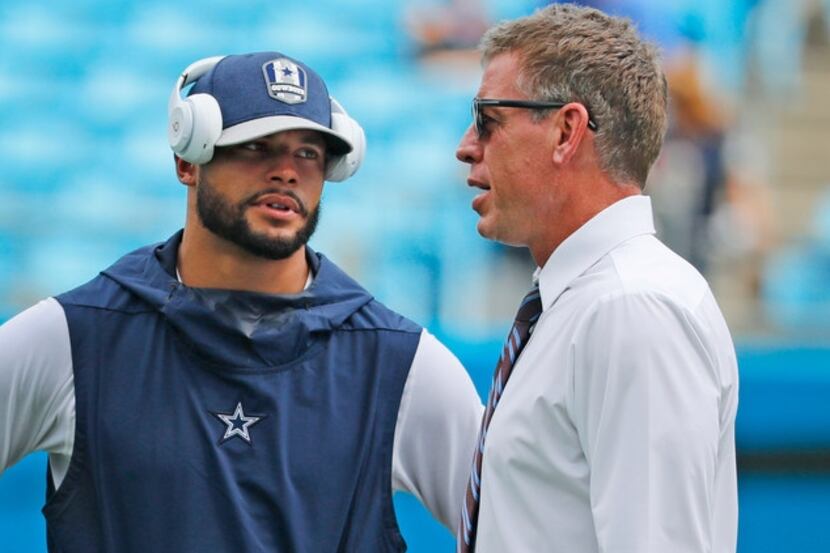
(218, 421)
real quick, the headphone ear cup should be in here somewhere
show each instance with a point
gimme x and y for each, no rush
(342, 167)
(180, 127)
(206, 126)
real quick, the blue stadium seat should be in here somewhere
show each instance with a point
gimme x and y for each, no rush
(38, 150)
(796, 293)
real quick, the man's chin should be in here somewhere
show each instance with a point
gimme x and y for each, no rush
(490, 232)
(485, 230)
(275, 241)
(274, 250)
(274, 235)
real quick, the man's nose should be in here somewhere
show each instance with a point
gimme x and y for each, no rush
(469, 149)
(282, 167)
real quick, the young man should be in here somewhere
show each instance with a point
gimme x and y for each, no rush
(612, 429)
(230, 390)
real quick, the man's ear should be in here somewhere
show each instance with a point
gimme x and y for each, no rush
(572, 124)
(186, 171)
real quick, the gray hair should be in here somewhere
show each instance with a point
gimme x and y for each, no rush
(572, 53)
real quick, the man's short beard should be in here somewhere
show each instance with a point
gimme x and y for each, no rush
(228, 221)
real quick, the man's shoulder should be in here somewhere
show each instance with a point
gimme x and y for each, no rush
(377, 316)
(371, 313)
(102, 291)
(644, 266)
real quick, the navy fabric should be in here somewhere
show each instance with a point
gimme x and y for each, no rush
(239, 85)
(156, 363)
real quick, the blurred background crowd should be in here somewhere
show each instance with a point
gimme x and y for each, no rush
(742, 188)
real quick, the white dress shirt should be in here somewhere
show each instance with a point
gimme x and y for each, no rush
(615, 433)
(435, 432)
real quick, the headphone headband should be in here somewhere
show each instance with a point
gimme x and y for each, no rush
(190, 75)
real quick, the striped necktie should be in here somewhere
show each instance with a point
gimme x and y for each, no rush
(528, 313)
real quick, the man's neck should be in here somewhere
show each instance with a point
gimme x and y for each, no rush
(207, 261)
(587, 199)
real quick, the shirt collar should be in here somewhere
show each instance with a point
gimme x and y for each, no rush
(609, 228)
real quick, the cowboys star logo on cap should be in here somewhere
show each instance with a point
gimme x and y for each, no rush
(286, 81)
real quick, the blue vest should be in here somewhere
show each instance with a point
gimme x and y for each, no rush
(216, 421)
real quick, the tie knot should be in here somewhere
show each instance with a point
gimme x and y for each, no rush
(531, 307)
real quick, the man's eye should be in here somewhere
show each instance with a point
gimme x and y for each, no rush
(308, 153)
(487, 122)
(252, 146)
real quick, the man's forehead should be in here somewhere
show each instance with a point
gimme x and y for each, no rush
(500, 76)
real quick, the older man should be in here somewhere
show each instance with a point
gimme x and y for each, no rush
(610, 425)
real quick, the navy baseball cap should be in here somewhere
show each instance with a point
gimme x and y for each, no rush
(267, 92)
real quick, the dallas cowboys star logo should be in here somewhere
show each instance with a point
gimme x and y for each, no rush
(285, 81)
(238, 424)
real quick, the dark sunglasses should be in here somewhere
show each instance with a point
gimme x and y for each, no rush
(480, 118)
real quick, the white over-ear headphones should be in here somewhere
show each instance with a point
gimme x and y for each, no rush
(195, 122)
(195, 125)
(339, 168)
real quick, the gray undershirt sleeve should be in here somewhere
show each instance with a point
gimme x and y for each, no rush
(37, 397)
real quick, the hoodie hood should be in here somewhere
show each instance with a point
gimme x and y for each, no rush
(238, 329)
